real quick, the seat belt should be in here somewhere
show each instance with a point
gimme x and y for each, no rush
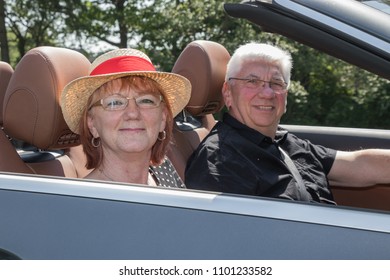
(294, 171)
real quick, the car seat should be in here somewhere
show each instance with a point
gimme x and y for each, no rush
(32, 114)
(203, 63)
(6, 72)
(8, 155)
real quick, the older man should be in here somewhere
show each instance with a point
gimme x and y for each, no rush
(249, 153)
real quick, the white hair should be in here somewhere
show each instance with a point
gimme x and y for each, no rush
(253, 52)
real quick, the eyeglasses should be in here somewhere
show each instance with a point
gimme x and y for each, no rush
(254, 83)
(118, 102)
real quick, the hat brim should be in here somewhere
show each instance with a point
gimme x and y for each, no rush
(74, 98)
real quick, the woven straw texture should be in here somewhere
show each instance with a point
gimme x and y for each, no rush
(74, 98)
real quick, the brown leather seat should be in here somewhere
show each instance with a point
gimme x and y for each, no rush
(203, 63)
(8, 155)
(32, 114)
(6, 72)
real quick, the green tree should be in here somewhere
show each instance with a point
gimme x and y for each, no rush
(3, 34)
(324, 90)
(76, 24)
(32, 23)
(113, 22)
(329, 92)
(168, 26)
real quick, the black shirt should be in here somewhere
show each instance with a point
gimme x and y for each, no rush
(237, 159)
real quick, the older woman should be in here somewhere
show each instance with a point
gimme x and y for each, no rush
(124, 113)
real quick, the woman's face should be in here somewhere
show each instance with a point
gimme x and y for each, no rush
(132, 129)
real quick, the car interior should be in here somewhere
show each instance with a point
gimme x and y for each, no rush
(6, 72)
(36, 140)
(203, 63)
(46, 146)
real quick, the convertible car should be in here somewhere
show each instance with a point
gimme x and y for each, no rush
(48, 212)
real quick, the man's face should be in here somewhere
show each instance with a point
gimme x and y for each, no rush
(257, 104)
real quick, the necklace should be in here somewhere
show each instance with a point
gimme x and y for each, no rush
(150, 180)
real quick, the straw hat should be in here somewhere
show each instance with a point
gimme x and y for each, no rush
(113, 65)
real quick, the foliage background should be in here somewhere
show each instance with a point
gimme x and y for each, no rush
(325, 91)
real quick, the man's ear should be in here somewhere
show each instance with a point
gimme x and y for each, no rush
(285, 105)
(227, 95)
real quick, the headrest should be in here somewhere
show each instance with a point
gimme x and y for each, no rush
(6, 72)
(204, 64)
(32, 112)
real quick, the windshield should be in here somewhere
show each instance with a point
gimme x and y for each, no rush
(382, 5)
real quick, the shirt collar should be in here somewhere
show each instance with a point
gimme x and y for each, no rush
(252, 134)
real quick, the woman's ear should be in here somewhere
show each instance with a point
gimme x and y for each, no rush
(164, 116)
(91, 126)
